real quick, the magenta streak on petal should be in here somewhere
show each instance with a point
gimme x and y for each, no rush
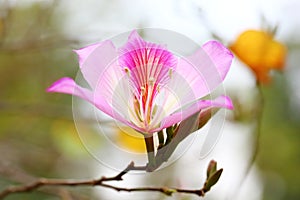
(221, 101)
(68, 86)
(146, 60)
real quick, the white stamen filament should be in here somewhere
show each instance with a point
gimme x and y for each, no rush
(151, 81)
(158, 88)
(141, 107)
(147, 104)
(143, 90)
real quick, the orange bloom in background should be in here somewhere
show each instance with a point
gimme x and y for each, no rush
(258, 50)
(130, 140)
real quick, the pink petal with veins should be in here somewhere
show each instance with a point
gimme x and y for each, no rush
(94, 59)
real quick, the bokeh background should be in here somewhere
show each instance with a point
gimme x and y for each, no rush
(38, 137)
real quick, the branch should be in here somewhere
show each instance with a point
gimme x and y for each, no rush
(256, 136)
(66, 182)
(101, 182)
(165, 190)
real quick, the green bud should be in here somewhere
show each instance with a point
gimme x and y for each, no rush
(212, 168)
(205, 116)
(168, 191)
(212, 180)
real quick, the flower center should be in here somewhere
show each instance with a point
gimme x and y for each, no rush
(143, 104)
(144, 99)
(148, 67)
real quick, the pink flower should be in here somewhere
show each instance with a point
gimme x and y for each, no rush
(145, 86)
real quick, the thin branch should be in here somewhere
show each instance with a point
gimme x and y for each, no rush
(257, 134)
(98, 182)
(67, 182)
(259, 117)
(17, 175)
(164, 190)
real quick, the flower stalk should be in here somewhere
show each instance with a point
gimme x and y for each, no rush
(151, 166)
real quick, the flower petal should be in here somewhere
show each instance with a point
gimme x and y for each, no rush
(94, 59)
(221, 101)
(138, 52)
(146, 61)
(83, 53)
(221, 57)
(68, 86)
(199, 74)
(204, 70)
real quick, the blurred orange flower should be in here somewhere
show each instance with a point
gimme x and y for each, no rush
(260, 52)
(130, 140)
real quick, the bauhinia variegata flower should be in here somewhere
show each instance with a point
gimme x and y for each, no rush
(146, 86)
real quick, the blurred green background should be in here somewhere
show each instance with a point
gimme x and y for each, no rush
(38, 137)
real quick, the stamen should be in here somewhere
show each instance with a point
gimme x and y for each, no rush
(151, 81)
(158, 88)
(143, 90)
(141, 109)
(137, 110)
(170, 72)
(154, 110)
(127, 71)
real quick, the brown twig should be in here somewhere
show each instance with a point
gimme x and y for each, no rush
(98, 182)
(164, 190)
